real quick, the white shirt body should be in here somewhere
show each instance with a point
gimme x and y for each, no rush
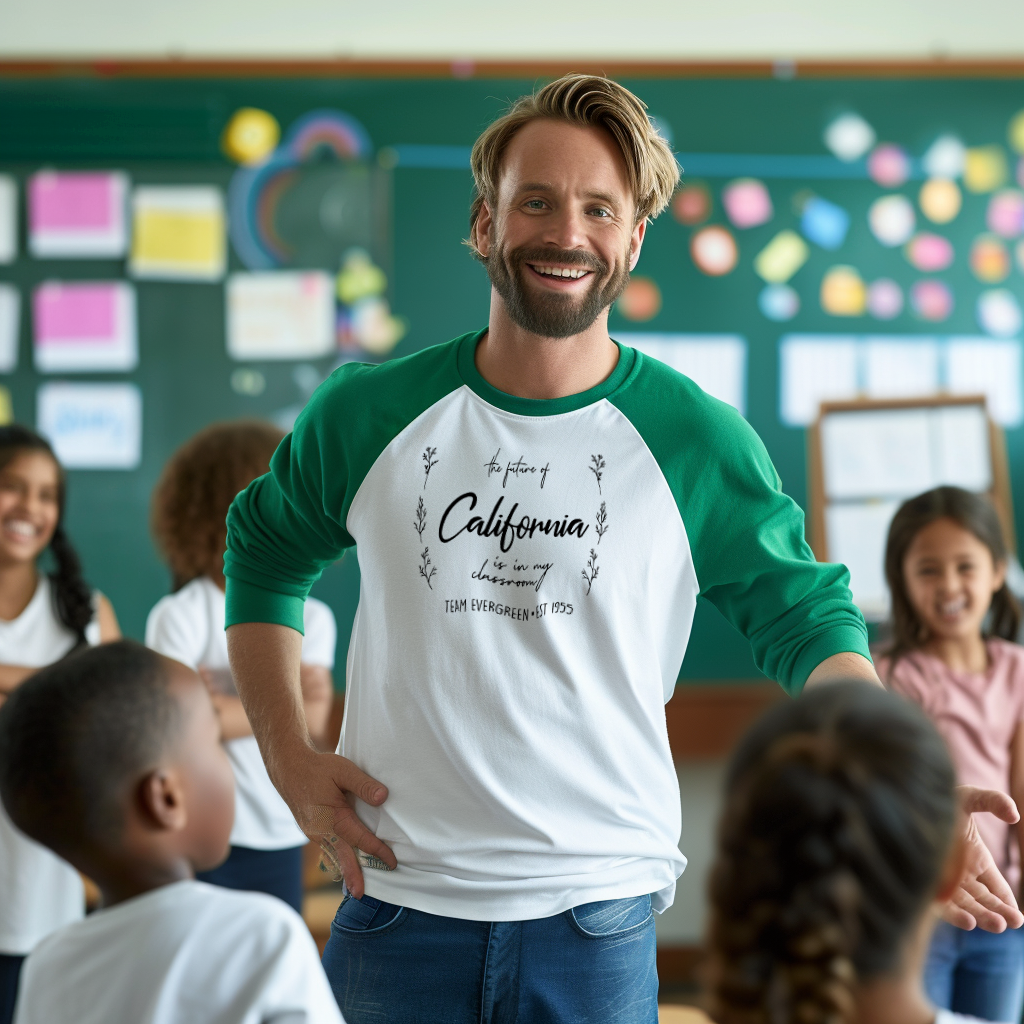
(189, 627)
(187, 953)
(39, 892)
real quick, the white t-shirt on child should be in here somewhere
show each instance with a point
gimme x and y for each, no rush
(189, 627)
(187, 953)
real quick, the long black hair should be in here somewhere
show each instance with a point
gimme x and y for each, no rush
(839, 817)
(72, 597)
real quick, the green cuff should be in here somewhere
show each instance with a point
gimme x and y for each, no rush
(246, 602)
(839, 640)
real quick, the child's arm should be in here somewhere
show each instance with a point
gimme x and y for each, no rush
(1017, 781)
(109, 628)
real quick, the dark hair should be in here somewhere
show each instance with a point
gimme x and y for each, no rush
(74, 734)
(839, 814)
(974, 513)
(195, 491)
(72, 596)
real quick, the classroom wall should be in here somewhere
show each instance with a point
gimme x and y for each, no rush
(469, 29)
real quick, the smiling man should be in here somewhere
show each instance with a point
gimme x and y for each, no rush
(536, 510)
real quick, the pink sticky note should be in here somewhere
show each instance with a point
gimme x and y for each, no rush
(75, 312)
(77, 214)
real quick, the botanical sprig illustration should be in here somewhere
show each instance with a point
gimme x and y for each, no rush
(602, 522)
(426, 569)
(429, 462)
(421, 518)
(590, 573)
(597, 468)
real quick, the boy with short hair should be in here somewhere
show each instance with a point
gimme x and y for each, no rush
(112, 759)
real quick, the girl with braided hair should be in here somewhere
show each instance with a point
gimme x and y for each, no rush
(838, 839)
(44, 616)
(952, 652)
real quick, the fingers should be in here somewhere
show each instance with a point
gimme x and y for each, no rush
(957, 916)
(973, 799)
(354, 780)
(351, 870)
(356, 834)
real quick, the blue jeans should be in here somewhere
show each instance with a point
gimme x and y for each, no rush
(277, 872)
(596, 962)
(976, 973)
(10, 969)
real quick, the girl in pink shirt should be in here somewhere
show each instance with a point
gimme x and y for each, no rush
(953, 620)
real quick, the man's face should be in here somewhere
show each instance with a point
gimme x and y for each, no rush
(561, 240)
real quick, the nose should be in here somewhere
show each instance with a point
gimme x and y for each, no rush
(950, 580)
(566, 228)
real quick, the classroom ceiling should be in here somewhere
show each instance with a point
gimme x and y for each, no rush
(672, 30)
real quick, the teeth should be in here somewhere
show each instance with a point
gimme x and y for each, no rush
(21, 527)
(561, 272)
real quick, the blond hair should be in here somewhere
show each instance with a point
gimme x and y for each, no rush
(589, 101)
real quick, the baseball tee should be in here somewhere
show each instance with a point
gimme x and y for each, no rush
(529, 574)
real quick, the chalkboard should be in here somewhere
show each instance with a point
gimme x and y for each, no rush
(168, 131)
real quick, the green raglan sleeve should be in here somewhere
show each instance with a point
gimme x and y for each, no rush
(746, 536)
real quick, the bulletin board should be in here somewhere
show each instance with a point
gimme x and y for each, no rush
(695, 287)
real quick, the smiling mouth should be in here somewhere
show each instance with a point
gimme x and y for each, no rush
(20, 529)
(561, 273)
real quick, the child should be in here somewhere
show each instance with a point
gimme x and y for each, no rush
(190, 504)
(837, 837)
(112, 759)
(42, 617)
(953, 619)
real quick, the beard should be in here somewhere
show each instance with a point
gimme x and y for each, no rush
(551, 314)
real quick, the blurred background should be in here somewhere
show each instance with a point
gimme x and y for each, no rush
(205, 208)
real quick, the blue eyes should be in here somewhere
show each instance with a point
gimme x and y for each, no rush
(539, 204)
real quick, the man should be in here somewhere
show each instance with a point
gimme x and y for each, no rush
(536, 511)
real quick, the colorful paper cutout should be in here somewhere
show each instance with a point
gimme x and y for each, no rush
(781, 258)
(640, 301)
(998, 313)
(79, 214)
(84, 326)
(372, 327)
(888, 165)
(985, 169)
(1015, 132)
(929, 253)
(940, 200)
(892, 220)
(849, 137)
(989, 260)
(824, 223)
(691, 205)
(280, 315)
(178, 233)
(714, 251)
(779, 302)
(1005, 213)
(885, 299)
(843, 292)
(8, 219)
(6, 407)
(931, 300)
(250, 136)
(945, 158)
(747, 203)
(360, 277)
(10, 327)
(92, 426)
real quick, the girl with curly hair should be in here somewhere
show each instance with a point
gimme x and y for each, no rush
(43, 617)
(190, 503)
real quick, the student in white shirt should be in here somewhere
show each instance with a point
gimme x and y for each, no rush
(42, 617)
(190, 504)
(112, 759)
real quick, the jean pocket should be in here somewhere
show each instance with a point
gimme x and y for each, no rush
(611, 917)
(366, 915)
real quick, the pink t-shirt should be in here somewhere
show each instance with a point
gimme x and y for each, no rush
(977, 714)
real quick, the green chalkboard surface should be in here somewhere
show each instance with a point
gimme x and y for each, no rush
(168, 131)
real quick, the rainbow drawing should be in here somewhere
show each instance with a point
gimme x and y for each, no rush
(333, 130)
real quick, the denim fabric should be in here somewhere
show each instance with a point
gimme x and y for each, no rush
(277, 872)
(976, 973)
(595, 962)
(10, 970)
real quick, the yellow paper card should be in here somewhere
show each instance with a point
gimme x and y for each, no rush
(843, 292)
(985, 169)
(781, 258)
(178, 233)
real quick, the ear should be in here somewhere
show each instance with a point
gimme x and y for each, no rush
(162, 801)
(481, 234)
(953, 870)
(636, 240)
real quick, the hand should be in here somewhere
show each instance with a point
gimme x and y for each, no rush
(319, 789)
(984, 898)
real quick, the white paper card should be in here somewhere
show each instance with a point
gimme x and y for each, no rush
(84, 326)
(813, 370)
(856, 537)
(280, 315)
(900, 369)
(960, 447)
(8, 219)
(717, 363)
(10, 323)
(990, 368)
(92, 426)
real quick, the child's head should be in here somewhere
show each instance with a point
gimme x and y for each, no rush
(836, 836)
(945, 563)
(111, 757)
(32, 495)
(195, 491)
